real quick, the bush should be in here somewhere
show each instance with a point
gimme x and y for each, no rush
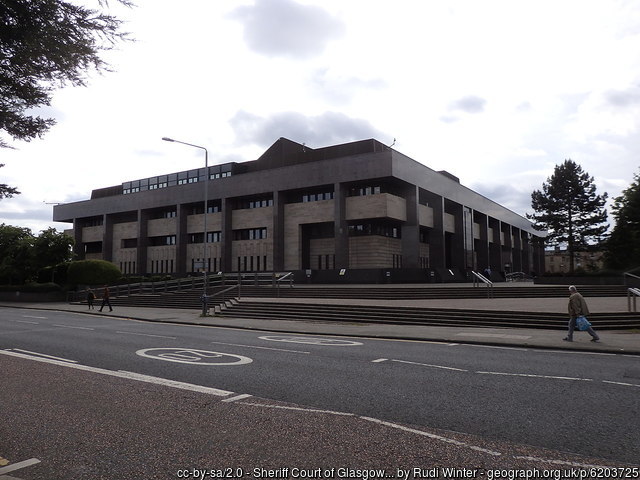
(32, 287)
(57, 274)
(92, 272)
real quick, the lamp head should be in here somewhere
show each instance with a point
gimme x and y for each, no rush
(167, 139)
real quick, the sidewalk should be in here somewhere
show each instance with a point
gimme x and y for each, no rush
(625, 342)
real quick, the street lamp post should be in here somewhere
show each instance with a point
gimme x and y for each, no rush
(206, 208)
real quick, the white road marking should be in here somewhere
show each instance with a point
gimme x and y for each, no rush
(44, 355)
(431, 366)
(556, 462)
(621, 383)
(536, 376)
(311, 341)
(33, 316)
(299, 409)
(18, 466)
(123, 374)
(379, 360)
(72, 326)
(236, 398)
(192, 356)
(262, 348)
(147, 335)
(500, 348)
(494, 335)
(26, 321)
(432, 436)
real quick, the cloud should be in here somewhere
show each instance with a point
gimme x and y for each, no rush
(469, 104)
(341, 90)
(327, 129)
(283, 28)
(622, 98)
(517, 199)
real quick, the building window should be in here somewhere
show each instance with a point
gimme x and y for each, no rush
(214, 237)
(362, 190)
(374, 228)
(129, 243)
(162, 240)
(254, 203)
(250, 234)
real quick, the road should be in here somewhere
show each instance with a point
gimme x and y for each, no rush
(373, 401)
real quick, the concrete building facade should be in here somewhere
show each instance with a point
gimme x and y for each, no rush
(359, 205)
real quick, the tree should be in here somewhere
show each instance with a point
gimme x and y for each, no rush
(16, 253)
(5, 190)
(569, 209)
(623, 246)
(51, 248)
(46, 44)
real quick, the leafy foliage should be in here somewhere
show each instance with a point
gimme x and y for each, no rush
(92, 272)
(22, 254)
(46, 44)
(623, 245)
(569, 208)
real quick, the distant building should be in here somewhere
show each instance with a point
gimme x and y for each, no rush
(359, 205)
(558, 261)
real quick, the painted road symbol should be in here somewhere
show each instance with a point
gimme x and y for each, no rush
(312, 341)
(193, 356)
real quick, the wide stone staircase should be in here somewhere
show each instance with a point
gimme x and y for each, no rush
(306, 303)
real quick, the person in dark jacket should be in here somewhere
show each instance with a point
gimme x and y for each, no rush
(105, 299)
(90, 298)
(578, 308)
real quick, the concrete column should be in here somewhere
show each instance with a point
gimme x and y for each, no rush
(143, 242)
(341, 230)
(437, 255)
(411, 230)
(278, 230)
(107, 238)
(227, 235)
(78, 246)
(182, 239)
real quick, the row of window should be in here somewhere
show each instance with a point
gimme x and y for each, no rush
(162, 266)
(374, 228)
(252, 263)
(180, 178)
(212, 237)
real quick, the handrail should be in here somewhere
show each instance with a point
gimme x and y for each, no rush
(478, 276)
(635, 293)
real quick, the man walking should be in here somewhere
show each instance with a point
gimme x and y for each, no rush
(578, 308)
(105, 299)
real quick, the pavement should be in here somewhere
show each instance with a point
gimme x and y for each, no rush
(612, 342)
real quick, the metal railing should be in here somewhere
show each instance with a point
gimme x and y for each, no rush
(236, 279)
(632, 293)
(478, 277)
(518, 277)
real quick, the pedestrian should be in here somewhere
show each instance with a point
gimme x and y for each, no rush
(105, 298)
(578, 308)
(90, 298)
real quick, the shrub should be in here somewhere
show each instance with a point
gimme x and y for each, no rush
(92, 272)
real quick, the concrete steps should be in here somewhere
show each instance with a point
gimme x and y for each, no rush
(448, 317)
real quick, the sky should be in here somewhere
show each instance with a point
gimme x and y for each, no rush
(497, 92)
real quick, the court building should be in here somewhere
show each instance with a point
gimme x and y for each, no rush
(359, 210)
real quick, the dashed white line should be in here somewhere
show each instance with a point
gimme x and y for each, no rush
(621, 383)
(380, 360)
(536, 376)
(261, 348)
(148, 335)
(236, 398)
(432, 436)
(18, 466)
(26, 321)
(44, 355)
(33, 316)
(431, 366)
(72, 326)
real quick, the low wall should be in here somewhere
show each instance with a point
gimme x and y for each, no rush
(33, 296)
(579, 280)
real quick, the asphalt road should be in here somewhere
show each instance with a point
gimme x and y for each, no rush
(577, 403)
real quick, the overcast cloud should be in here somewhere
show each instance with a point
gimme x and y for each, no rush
(496, 92)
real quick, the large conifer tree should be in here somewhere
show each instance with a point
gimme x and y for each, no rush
(569, 208)
(623, 246)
